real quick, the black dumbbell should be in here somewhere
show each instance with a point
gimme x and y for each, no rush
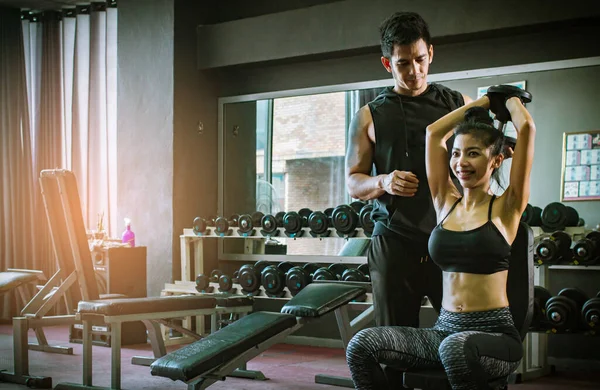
(245, 224)
(199, 225)
(203, 281)
(354, 275)
(551, 250)
(304, 213)
(292, 223)
(329, 212)
(299, 277)
(590, 313)
(233, 220)
(222, 226)
(273, 278)
(498, 94)
(557, 216)
(318, 223)
(324, 273)
(226, 282)
(210, 221)
(532, 215)
(249, 276)
(344, 219)
(338, 269)
(541, 297)
(364, 268)
(587, 250)
(279, 217)
(257, 217)
(269, 225)
(357, 205)
(563, 311)
(365, 220)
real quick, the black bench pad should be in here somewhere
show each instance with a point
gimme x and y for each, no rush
(234, 301)
(117, 307)
(222, 346)
(427, 379)
(317, 299)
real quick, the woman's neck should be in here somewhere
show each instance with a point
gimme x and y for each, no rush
(473, 197)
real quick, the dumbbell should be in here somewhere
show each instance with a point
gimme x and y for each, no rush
(304, 213)
(203, 281)
(557, 216)
(279, 217)
(551, 250)
(233, 220)
(272, 278)
(318, 223)
(299, 277)
(245, 224)
(344, 220)
(269, 225)
(355, 275)
(541, 297)
(364, 268)
(498, 94)
(324, 273)
(200, 226)
(357, 205)
(587, 250)
(563, 312)
(226, 282)
(338, 269)
(532, 215)
(365, 221)
(590, 313)
(222, 226)
(329, 212)
(249, 276)
(292, 223)
(257, 217)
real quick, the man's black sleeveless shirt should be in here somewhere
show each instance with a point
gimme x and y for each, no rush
(400, 122)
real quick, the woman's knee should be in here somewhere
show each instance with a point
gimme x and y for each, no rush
(361, 346)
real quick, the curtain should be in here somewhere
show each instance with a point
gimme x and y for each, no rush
(68, 89)
(17, 193)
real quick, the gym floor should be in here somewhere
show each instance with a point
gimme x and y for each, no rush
(286, 366)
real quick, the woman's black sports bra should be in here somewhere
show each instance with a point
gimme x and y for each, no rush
(482, 250)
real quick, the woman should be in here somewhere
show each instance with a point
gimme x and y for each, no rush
(474, 338)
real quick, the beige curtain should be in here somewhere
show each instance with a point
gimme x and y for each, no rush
(17, 195)
(68, 88)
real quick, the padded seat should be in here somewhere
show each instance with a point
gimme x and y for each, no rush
(321, 298)
(11, 279)
(234, 301)
(220, 347)
(117, 307)
(427, 379)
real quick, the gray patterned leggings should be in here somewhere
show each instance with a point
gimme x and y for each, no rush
(472, 347)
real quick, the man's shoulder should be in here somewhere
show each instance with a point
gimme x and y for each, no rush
(448, 93)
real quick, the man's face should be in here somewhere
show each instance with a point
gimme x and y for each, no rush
(409, 66)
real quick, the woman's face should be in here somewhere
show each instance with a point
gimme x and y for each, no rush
(471, 161)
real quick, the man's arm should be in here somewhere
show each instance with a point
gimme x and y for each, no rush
(359, 159)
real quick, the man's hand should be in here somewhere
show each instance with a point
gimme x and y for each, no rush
(401, 183)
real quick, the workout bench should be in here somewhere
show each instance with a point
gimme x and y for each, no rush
(76, 282)
(214, 357)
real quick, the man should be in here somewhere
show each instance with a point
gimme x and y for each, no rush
(389, 134)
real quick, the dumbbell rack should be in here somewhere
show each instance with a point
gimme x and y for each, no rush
(535, 347)
(192, 261)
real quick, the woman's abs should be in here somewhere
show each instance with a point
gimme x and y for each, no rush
(474, 292)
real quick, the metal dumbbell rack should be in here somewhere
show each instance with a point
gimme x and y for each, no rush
(192, 262)
(535, 347)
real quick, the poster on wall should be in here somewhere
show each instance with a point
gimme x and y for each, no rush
(581, 166)
(509, 129)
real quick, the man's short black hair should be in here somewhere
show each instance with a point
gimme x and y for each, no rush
(402, 28)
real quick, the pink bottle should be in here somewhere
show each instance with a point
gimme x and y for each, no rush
(128, 235)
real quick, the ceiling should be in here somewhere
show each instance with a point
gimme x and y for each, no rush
(40, 4)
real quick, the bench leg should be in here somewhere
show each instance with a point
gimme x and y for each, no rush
(115, 346)
(87, 353)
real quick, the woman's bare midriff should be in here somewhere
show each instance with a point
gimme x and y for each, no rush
(474, 292)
